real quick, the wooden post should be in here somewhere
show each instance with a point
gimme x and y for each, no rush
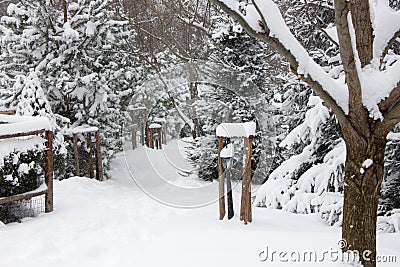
(146, 129)
(49, 172)
(142, 133)
(165, 133)
(159, 138)
(243, 197)
(133, 137)
(246, 182)
(99, 159)
(221, 180)
(151, 141)
(250, 219)
(76, 155)
(90, 158)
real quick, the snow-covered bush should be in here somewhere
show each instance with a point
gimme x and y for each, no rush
(31, 100)
(389, 223)
(82, 59)
(390, 192)
(20, 172)
(311, 180)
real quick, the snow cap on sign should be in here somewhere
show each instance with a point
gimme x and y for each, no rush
(245, 129)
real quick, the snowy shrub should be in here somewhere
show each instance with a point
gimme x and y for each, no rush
(84, 65)
(21, 172)
(310, 181)
(390, 192)
(31, 100)
(389, 223)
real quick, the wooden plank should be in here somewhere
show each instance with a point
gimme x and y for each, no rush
(76, 155)
(8, 112)
(221, 180)
(23, 196)
(7, 136)
(90, 157)
(99, 159)
(49, 172)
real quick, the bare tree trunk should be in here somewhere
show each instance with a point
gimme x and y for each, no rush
(193, 96)
(363, 179)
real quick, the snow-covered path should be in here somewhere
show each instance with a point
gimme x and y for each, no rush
(114, 223)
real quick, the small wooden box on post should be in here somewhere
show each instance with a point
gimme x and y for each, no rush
(88, 131)
(155, 129)
(163, 124)
(15, 127)
(247, 132)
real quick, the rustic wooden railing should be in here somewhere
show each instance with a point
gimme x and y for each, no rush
(45, 189)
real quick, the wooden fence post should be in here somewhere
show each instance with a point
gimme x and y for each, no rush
(90, 158)
(151, 141)
(49, 172)
(221, 180)
(165, 132)
(76, 155)
(146, 129)
(133, 130)
(250, 219)
(159, 138)
(246, 183)
(99, 159)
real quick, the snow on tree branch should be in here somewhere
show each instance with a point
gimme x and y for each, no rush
(386, 24)
(263, 20)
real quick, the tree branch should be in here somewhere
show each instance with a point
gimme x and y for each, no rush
(387, 104)
(317, 26)
(394, 114)
(388, 45)
(277, 44)
(357, 112)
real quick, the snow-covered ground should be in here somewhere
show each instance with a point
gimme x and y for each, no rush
(115, 223)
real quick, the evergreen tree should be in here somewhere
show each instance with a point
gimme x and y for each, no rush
(82, 57)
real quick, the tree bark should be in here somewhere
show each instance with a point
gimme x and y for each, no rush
(361, 193)
(360, 10)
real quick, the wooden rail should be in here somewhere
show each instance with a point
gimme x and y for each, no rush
(48, 168)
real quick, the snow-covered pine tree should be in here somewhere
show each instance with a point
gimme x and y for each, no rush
(31, 100)
(302, 188)
(250, 71)
(83, 58)
(390, 193)
(311, 179)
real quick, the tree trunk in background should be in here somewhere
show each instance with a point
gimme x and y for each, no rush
(65, 10)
